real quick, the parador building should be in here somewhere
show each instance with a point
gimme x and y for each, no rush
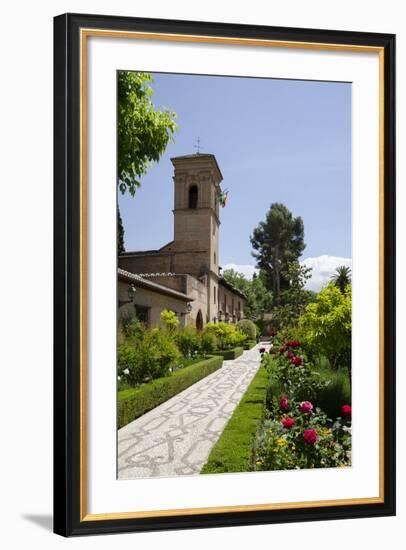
(183, 275)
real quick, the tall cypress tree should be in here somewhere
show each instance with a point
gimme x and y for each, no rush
(120, 233)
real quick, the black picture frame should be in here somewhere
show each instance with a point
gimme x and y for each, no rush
(67, 350)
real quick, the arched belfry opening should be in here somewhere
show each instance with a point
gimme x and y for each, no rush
(193, 196)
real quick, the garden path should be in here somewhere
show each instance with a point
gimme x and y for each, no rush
(176, 437)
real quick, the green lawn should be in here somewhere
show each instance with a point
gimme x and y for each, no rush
(233, 452)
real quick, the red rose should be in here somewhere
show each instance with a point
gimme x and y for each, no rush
(293, 343)
(288, 422)
(290, 355)
(306, 407)
(296, 361)
(262, 350)
(346, 411)
(310, 436)
(283, 403)
(282, 349)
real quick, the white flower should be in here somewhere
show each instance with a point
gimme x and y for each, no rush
(118, 378)
(126, 371)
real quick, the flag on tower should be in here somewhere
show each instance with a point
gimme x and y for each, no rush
(223, 195)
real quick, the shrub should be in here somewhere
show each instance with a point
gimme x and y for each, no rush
(134, 402)
(208, 343)
(187, 341)
(230, 354)
(227, 334)
(131, 327)
(128, 368)
(150, 354)
(302, 401)
(331, 397)
(170, 319)
(248, 328)
(290, 370)
(300, 435)
(233, 451)
(327, 325)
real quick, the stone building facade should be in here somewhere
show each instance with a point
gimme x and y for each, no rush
(146, 299)
(189, 263)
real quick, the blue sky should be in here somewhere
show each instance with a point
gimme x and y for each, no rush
(275, 141)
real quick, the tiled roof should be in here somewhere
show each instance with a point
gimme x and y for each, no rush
(138, 280)
(169, 274)
(231, 287)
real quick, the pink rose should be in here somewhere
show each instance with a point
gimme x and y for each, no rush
(310, 436)
(306, 407)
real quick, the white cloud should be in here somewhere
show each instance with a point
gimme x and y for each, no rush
(246, 269)
(323, 267)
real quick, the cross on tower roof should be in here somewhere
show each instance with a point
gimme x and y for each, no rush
(197, 146)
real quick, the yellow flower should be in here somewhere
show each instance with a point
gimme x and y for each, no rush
(326, 431)
(281, 442)
(258, 462)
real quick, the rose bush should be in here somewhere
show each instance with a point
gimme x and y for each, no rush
(296, 432)
(303, 440)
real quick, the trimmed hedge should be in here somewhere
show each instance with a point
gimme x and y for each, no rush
(250, 344)
(229, 354)
(135, 402)
(233, 452)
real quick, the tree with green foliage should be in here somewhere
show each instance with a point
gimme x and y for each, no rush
(295, 298)
(342, 277)
(248, 328)
(143, 134)
(143, 131)
(237, 279)
(120, 233)
(259, 298)
(277, 242)
(326, 325)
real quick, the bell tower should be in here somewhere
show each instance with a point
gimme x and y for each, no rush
(197, 180)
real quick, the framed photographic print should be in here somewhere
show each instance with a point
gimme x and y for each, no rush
(224, 274)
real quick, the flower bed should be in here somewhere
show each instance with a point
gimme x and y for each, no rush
(134, 402)
(297, 433)
(230, 354)
(233, 452)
